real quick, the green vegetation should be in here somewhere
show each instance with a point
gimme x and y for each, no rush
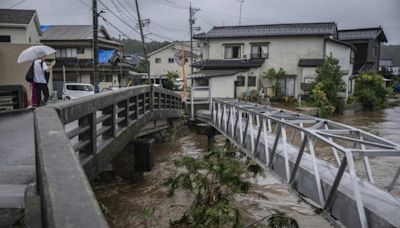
(171, 80)
(213, 181)
(142, 67)
(327, 85)
(274, 76)
(135, 46)
(370, 91)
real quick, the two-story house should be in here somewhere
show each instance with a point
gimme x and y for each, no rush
(367, 42)
(169, 58)
(234, 58)
(19, 26)
(74, 45)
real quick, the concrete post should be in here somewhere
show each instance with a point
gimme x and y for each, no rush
(136, 157)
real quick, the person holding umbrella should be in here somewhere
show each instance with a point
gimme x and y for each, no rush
(40, 69)
(37, 72)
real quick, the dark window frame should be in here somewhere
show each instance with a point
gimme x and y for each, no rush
(260, 54)
(241, 81)
(5, 39)
(253, 83)
(157, 60)
(239, 51)
(201, 82)
(80, 51)
(171, 60)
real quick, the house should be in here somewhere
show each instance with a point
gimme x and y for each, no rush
(19, 26)
(367, 41)
(169, 58)
(75, 52)
(234, 58)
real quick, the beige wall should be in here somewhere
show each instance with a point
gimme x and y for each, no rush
(86, 55)
(17, 35)
(12, 73)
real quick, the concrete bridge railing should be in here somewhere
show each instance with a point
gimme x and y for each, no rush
(75, 140)
(294, 144)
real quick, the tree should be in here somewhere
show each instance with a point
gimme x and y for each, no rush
(172, 76)
(370, 90)
(274, 77)
(142, 67)
(327, 85)
(214, 181)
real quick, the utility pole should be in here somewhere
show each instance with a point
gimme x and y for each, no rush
(95, 43)
(120, 61)
(240, 13)
(141, 24)
(192, 20)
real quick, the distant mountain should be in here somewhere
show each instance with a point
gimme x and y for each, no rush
(135, 46)
(391, 52)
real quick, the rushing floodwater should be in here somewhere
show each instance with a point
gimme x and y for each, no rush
(386, 124)
(146, 204)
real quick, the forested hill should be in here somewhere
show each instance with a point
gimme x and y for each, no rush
(391, 52)
(135, 46)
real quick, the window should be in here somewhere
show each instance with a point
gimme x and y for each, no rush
(6, 39)
(350, 89)
(201, 82)
(186, 60)
(287, 85)
(232, 52)
(66, 53)
(259, 51)
(251, 81)
(157, 60)
(240, 81)
(80, 50)
(80, 87)
(375, 51)
(171, 60)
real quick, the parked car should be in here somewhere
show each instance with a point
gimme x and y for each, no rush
(77, 90)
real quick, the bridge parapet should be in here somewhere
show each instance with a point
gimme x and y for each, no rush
(87, 133)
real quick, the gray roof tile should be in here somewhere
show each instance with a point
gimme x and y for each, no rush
(68, 32)
(310, 62)
(296, 29)
(228, 64)
(13, 16)
(362, 34)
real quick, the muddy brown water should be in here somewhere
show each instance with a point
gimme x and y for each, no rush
(386, 124)
(146, 204)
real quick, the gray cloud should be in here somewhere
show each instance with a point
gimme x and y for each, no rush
(169, 18)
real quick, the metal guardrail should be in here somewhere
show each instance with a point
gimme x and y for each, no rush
(104, 124)
(248, 124)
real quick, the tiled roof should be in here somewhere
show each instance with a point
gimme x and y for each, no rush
(14, 16)
(362, 34)
(68, 32)
(310, 62)
(228, 64)
(214, 73)
(295, 29)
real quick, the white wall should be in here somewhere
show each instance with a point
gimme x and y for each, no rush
(163, 67)
(17, 35)
(33, 33)
(222, 86)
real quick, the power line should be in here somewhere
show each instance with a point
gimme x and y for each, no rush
(118, 17)
(16, 4)
(113, 26)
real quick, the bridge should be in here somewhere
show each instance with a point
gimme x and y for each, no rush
(317, 157)
(63, 146)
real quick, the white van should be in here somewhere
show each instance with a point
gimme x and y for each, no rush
(77, 90)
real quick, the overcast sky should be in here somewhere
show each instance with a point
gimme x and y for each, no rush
(169, 18)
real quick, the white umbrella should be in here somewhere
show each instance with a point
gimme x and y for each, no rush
(35, 52)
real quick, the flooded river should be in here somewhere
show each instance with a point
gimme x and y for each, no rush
(386, 124)
(146, 203)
